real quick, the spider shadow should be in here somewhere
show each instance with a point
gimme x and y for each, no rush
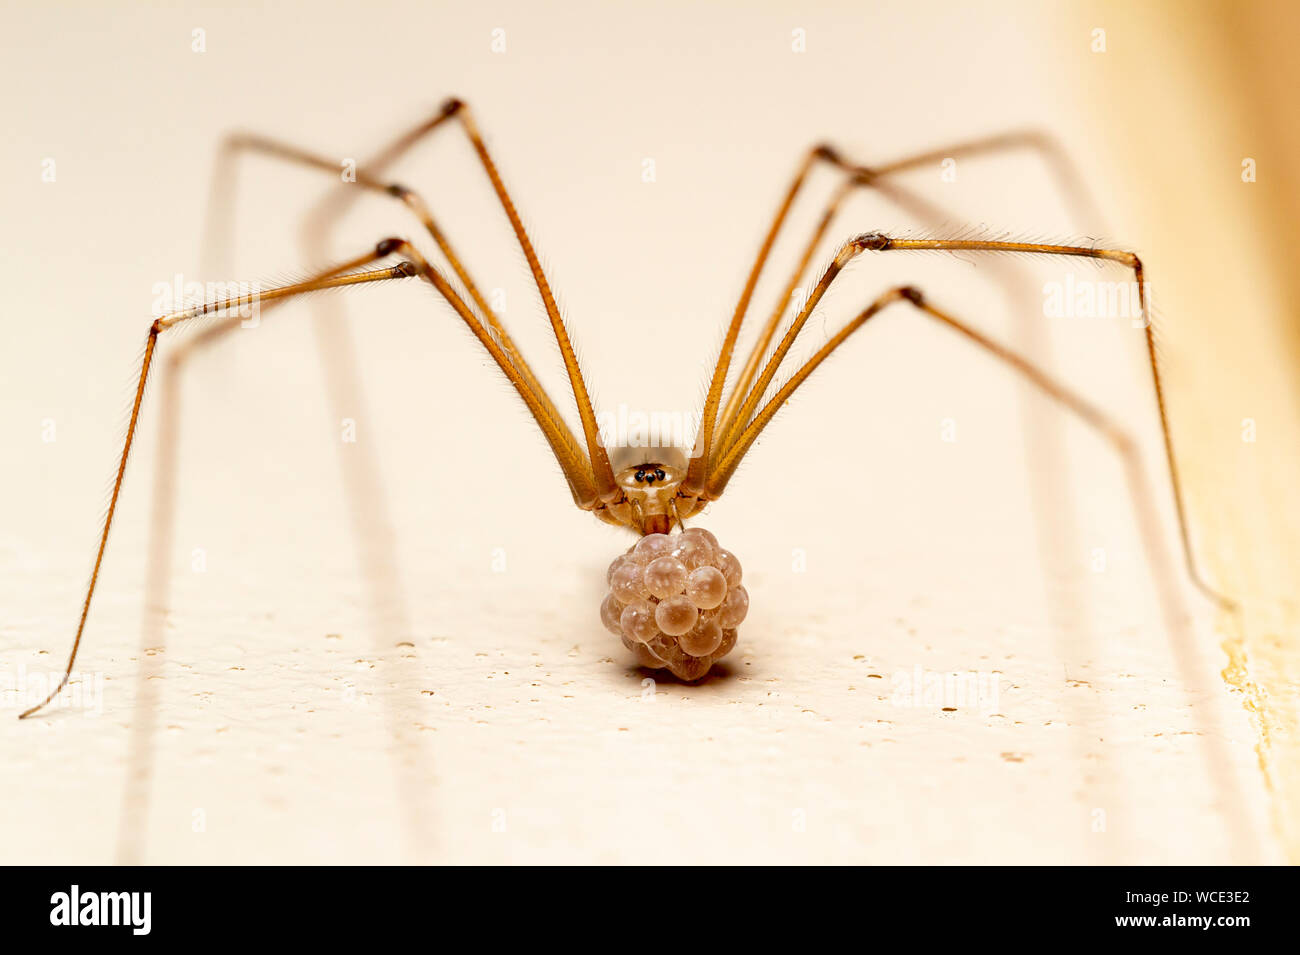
(720, 674)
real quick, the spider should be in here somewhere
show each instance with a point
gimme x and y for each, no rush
(676, 596)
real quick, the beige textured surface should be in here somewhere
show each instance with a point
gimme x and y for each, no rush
(436, 686)
(1225, 90)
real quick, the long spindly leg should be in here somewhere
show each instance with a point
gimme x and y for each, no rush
(372, 182)
(137, 784)
(337, 277)
(583, 492)
(606, 489)
(716, 426)
(725, 461)
(577, 469)
(726, 466)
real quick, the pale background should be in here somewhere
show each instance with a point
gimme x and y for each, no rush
(354, 677)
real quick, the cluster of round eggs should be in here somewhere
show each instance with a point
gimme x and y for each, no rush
(676, 601)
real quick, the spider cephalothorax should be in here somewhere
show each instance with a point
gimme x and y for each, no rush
(650, 480)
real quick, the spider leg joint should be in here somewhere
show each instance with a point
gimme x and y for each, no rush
(873, 242)
(912, 294)
(827, 152)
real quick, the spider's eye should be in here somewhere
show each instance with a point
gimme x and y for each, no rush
(659, 473)
(640, 475)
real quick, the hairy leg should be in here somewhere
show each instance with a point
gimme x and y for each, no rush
(336, 277)
(720, 469)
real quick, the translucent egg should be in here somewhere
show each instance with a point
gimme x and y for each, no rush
(703, 639)
(729, 635)
(652, 546)
(691, 668)
(665, 577)
(693, 551)
(706, 587)
(610, 612)
(618, 562)
(734, 608)
(702, 534)
(730, 567)
(676, 616)
(646, 657)
(627, 582)
(637, 621)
